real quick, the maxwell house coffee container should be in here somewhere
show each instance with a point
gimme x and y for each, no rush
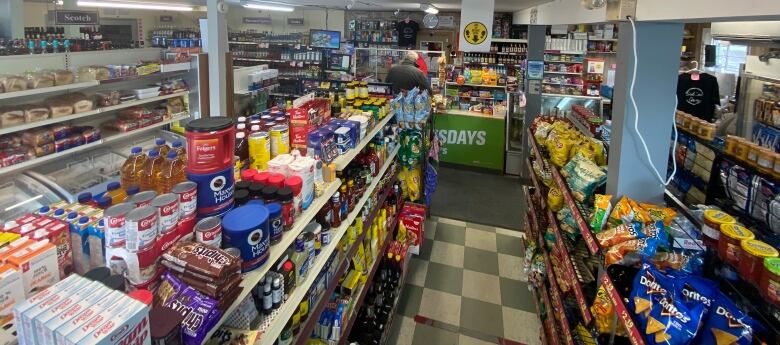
(210, 143)
(246, 228)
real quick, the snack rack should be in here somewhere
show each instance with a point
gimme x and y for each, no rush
(580, 263)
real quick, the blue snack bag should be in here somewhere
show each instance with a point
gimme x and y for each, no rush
(726, 324)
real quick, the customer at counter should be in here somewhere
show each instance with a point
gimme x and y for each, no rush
(406, 75)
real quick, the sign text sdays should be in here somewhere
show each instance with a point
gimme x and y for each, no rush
(462, 137)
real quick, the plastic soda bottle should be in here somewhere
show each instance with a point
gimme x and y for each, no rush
(132, 168)
(161, 146)
(116, 193)
(152, 167)
(171, 174)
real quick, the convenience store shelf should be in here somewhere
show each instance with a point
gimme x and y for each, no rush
(571, 276)
(587, 235)
(623, 316)
(45, 90)
(342, 161)
(548, 321)
(478, 85)
(107, 138)
(394, 311)
(557, 302)
(564, 73)
(102, 110)
(561, 84)
(535, 181)
(563, 52)
(600, 52)
(570, 96)
(288, 308)
(573, 62)
(277, 61)
(277, 251)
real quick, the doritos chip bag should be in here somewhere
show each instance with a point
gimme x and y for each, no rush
(620, 233)
(726, 324)
(643, 248)
(660, 314)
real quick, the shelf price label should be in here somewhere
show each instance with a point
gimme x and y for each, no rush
(620, 308)
(569, 270)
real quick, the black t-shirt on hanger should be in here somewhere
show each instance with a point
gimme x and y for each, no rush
(698, 97)
(407, 33)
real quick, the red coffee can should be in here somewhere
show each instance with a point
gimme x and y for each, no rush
(167, 206)
(188, 198)
(141, 227)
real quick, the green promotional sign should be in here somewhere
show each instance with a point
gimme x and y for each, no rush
(471, 140)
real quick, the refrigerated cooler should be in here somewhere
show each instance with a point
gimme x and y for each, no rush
(514, 133)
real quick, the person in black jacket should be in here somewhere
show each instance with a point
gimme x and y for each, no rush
(406, 76)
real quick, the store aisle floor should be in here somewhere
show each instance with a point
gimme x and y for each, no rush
(466, 287)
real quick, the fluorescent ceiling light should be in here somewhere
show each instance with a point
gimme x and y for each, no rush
(268, 7)
(428, 8)
(135, 5)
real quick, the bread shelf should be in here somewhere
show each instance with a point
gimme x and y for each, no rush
(288, 308)
(45, 90)
(277, 251)
(114, 137)
(89, 113)
(343, 160)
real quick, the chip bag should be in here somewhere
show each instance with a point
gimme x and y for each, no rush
(603, 312)
(726, 324)
(620, 233)
(661, 316)
(601, 209)
(555, 199)
(583, 177)
(559, 144)
(690, 262)
(631, 251)
(656, 213)
(656, 230)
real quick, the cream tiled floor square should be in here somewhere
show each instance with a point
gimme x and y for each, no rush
(481, 239)
(430, 229)
(451, 221)
(403, 329)
(447, 253)
(521, 326)
(481, 286)
(466, 340)
(418, 269)
(507, 232)
(511, 267)
(440, 306)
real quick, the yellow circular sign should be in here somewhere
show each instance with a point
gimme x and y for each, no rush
(475, 32)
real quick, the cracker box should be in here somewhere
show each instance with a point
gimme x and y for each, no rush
(26, 311)
(38, 264)
(81, 318)
(83, 328)
(101, 298)
(67, 302)
(11, 291)
(127, 325)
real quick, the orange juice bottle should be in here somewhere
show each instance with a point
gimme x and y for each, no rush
(171, 174)
(162, 147)
(116, 193)
(178, 147)
(132, 168)
(152, 167)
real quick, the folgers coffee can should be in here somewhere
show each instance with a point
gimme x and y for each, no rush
(167, 206)
(143, 198)
(188, 198)
(210, 145)
(141, 227)
(214, 192)
(115, 224)
(247, 229)
(209, 231)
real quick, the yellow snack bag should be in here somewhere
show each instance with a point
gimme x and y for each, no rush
(598, 152)
(659, 213)
(603, 313)
(601, 209)
(555, 199)
(559, 145)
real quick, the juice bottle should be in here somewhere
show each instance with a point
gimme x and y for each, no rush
(132, 168)
(171, 174)
(161, 146)
(242, 149)
(152, 167)
(116, 193)
(178, 147)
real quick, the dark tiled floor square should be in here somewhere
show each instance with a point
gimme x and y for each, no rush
(481, 227)
(425, 250)
(481, 316)
(444, 278)
(451, 233)
(509, 245)
(480, 260)
(515, 294)
(409, 303)
(427, 335)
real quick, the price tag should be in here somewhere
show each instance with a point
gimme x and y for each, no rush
(625, 318)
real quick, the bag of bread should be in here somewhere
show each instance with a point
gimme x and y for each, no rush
(58, 106)
(62, 77)
(12, 83)
(10, 141)
(80, 102)
(175, 106)
(37, 137)
(40, 79)
(11, 116)
(35, 112)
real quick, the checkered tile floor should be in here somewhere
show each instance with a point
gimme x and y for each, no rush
(466, 288)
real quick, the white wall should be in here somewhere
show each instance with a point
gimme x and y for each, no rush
(708, 10)
(561, 12)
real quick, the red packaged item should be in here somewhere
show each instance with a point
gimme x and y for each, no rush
(10, 142)
(413, 218)
(90, 134)
(75, 140)
(61, 145)
(134, 113)
(144, 122)
(121, 125)
(156, 118)
(299, 137)
(60, 131)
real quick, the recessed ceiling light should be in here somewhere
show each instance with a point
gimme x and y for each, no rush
(428, 8)
(267, 7)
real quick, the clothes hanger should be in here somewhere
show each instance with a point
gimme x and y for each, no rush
(694, 72)
(407, 19)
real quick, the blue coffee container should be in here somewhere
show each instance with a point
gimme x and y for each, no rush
(215, 192)
(275, 221)
(247, 229)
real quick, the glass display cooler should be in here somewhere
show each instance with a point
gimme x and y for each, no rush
(375, 63)
(758, 97)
